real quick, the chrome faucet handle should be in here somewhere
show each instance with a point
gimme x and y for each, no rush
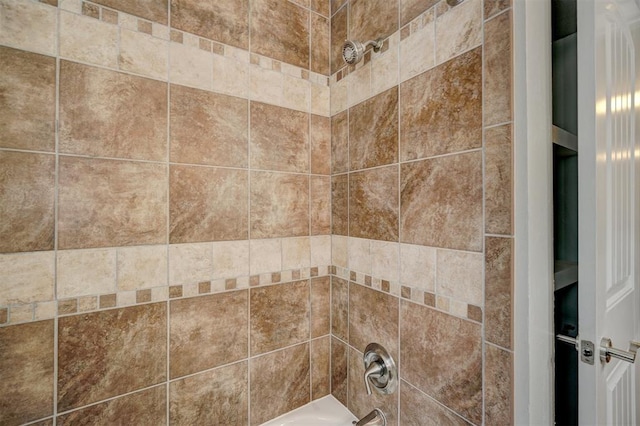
(376, 369)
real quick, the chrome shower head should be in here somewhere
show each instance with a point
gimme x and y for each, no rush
(353, 51)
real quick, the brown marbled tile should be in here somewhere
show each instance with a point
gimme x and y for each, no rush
(498, 70)
(280, 30)
(107, 301)
(143, 296)
(46, 422)
(320, 306)
(361, 404)
(27, 201)
(207, 332)
(107, 203)
(320, 214)
(279, 205)
(447, 364)
(372, 19)
(339, 28)
(320, 136)
(217, 397)
(373, 131)
(373, 204)
(66, 307)
(339, 370)
(340, 142)
(441, 202)
(320, 367)
(498, 181)
(110, 16)
(276, 277)
(418, 409)
(207, 204)
(175, 291)
(411, 9)
(364, 327)
(176, 36)
(288, 371)
(105, 113)
(208, 128)
(353, 276)
(336, 4)
(321, 6)
(493, 7)
(279, 138)
(154, 10)
(441, 109)
(204, 287)
(340, 308)
(108, 353)
(4, 315)
(254, 280)
(148, 407)
(474, 313)
(226, 21)
(26, 368)
(340, 205)
(429, 299)
(498, 298)
(145, 26)
(498, 391)
(279, 316)
(320, 44)
(28, 100)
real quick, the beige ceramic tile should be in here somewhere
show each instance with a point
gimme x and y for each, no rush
(142, 267)
(339, 96)
(27, 277)
(340, 251)
(45, 310)
(230, 76)
(321, 100)
(296, 253)
(459, 275)
(190, 263)
(29, 26)
(230, 259)
(86, 272)
(384, 68)
(88, 40)
(265, 256)
(143, 54)
(321, 250)
(360, 255)
(417, 52)
(458, 30)
(266, 85)
(418, 266)
(384, 260)
(411, 9)
(359, 85)
(296, 93)
(190, 66)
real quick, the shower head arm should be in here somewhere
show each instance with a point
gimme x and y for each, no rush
(377, 44)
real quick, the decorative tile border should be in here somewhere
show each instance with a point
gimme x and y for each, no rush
(441, 303)
(30, 312)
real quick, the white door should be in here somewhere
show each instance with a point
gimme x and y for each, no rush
(609, 228)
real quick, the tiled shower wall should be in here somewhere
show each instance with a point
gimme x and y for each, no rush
(165, 210)
(422, 208)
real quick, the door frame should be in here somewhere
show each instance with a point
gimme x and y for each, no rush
(533, 212)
